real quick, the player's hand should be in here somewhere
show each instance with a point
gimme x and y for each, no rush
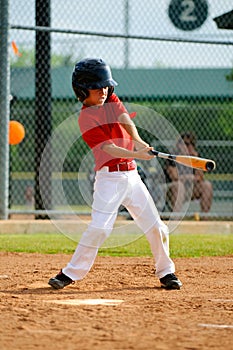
(143, 153)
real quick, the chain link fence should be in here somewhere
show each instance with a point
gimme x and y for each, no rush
(173, 62)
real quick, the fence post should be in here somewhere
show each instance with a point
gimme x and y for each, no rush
(4, 107)
(43, 109)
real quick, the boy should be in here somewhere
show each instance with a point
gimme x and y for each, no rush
(111, 134)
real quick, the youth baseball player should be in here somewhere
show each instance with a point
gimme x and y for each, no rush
(108, 129)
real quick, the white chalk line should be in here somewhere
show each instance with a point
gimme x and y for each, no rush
(215, 325)
(219, 326)
(222, 300)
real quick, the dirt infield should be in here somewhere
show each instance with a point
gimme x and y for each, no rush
(199, 316)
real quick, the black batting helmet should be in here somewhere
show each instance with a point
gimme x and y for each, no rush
(90, 74)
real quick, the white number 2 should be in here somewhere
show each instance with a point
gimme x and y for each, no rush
(186, 15)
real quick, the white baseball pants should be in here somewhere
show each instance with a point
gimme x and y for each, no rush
(111, 189)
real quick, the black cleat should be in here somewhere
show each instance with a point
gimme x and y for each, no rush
(170, 281)
(60, 281)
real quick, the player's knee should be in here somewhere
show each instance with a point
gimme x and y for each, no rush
(176, 191)
(94, 236)
(207, 188)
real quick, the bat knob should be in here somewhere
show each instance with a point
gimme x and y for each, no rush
(210, 166)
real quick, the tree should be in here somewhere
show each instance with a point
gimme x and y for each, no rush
(27, 59)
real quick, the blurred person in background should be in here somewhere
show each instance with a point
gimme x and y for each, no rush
(184, 182)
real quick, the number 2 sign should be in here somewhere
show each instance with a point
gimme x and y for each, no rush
(188, 14)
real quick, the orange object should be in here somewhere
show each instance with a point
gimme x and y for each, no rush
(16, 132)
(15, 49)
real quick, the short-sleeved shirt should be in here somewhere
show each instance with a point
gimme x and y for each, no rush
(100, 125)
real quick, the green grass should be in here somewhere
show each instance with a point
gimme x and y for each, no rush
(180, 245)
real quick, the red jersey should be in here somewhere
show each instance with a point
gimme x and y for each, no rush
(100, 125)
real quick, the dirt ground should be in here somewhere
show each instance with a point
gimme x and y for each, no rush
(199, 316)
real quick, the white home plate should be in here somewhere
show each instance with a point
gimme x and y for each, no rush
(111, 302)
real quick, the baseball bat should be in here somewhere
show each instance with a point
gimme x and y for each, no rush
(190, 161)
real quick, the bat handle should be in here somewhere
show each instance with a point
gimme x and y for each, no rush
(153, 152)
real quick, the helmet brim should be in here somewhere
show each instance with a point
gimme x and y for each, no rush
(100, 84)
